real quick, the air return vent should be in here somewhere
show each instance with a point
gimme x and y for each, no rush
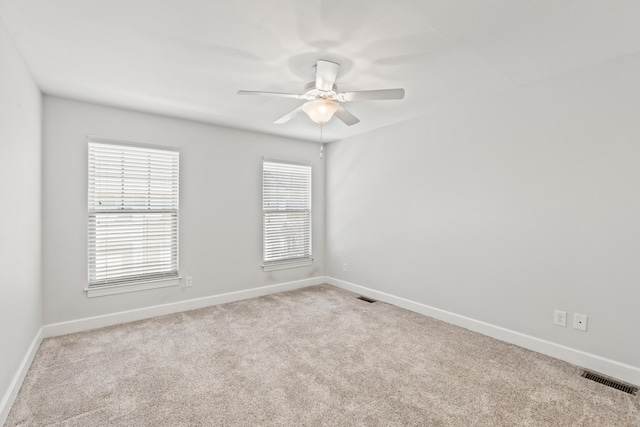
(369, 300)
(610, 383)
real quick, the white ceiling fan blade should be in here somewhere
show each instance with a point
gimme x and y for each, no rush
(370, 95)
(288, 116)
(344, 115)
(326, 73)
(276, 94)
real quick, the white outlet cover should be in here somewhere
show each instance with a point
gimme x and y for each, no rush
(560, 318)
(580, 321)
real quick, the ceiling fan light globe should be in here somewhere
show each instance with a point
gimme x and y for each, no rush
(320, 110)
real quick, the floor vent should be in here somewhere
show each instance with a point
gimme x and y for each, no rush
(610, 383)
(369, 300)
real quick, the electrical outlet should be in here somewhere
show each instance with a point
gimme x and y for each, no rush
(560, 318)
(580, 321)
(344, 266)
(189, 281)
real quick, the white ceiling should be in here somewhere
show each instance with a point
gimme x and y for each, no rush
(188, 58)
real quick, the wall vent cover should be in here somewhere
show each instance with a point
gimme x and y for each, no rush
(610, 383)
(369, 300)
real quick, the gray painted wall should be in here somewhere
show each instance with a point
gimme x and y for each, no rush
(220, 206)
(503, 210)
(20, 192)
(500, 211)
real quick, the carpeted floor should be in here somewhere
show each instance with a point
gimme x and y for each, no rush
(312, 357)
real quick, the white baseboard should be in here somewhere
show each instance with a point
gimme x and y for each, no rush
(12, 392)
(612, 368)
(79, 325)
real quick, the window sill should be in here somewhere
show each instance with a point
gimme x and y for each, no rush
(285, 265)
(133, 287)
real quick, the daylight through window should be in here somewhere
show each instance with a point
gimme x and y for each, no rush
(133, 214)
(286, 197)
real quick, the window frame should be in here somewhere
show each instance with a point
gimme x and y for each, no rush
(167, 209)
(305, 255)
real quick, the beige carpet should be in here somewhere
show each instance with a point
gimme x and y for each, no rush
(312, 357)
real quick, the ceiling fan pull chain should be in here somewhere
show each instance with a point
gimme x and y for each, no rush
(321, 144)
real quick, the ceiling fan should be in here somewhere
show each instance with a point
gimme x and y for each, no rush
(323, 98)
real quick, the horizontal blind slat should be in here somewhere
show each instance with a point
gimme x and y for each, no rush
(286, 201)
(133, 213)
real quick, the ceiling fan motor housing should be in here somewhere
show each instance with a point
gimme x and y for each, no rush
(311, 92)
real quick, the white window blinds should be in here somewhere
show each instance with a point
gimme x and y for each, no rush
(133, 214)
(286, 200)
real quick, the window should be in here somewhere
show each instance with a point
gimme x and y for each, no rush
(133, 217)
(286, 208)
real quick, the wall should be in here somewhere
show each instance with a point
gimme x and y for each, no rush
(220, 206)
(504, 210)
(20, 192)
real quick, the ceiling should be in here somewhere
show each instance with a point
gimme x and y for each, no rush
(188, 58)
